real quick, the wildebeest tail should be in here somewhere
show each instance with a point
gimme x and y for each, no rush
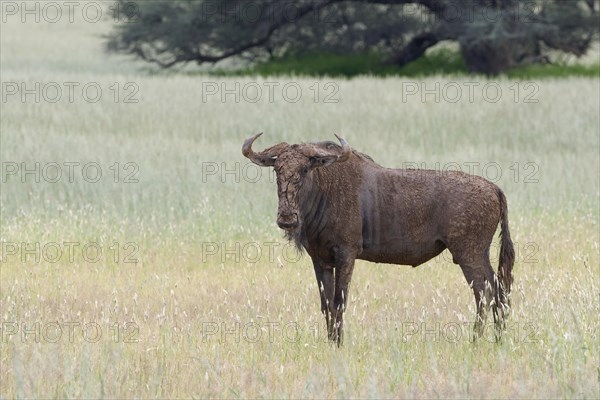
(507, 252)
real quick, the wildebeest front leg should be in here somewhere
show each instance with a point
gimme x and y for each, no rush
(327, 287)
(320, 284)
(325, 284)
(343, 275)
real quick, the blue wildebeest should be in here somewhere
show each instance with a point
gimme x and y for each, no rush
(340, 205)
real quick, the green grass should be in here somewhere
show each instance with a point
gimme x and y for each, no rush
(554, 71)
(437, 62)
(177, 290)
(334, 65)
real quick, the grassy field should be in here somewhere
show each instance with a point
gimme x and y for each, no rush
(442, 59)
(166, 276)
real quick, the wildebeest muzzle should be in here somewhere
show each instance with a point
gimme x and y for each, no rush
(287, 221)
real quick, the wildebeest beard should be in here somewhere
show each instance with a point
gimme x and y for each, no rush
(297, 236)
(312, 210)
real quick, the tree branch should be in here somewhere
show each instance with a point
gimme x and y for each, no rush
(260, 41)
(416, 48)
(436, 6)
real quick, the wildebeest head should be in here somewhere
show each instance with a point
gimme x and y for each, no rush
(293, 165)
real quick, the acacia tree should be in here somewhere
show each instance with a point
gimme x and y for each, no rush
(493, 35)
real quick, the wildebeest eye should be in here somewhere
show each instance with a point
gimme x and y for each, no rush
(304, 171)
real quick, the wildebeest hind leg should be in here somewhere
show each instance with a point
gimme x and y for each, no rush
(476, 278)
(493, 285)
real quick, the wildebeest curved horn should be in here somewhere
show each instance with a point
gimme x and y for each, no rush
(346, 149)
(262, 159)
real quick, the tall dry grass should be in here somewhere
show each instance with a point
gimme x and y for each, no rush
(198, 312)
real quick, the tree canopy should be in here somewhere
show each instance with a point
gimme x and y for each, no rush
(493, 35)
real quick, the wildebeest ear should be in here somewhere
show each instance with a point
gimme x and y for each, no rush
(322, 161)
(326, 149)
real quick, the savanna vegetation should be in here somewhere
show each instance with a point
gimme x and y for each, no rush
(188, 300)
(493, 36)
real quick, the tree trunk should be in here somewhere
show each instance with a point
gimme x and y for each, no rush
(493, 56)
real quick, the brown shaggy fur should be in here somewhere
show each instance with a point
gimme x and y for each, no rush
(340, 205)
